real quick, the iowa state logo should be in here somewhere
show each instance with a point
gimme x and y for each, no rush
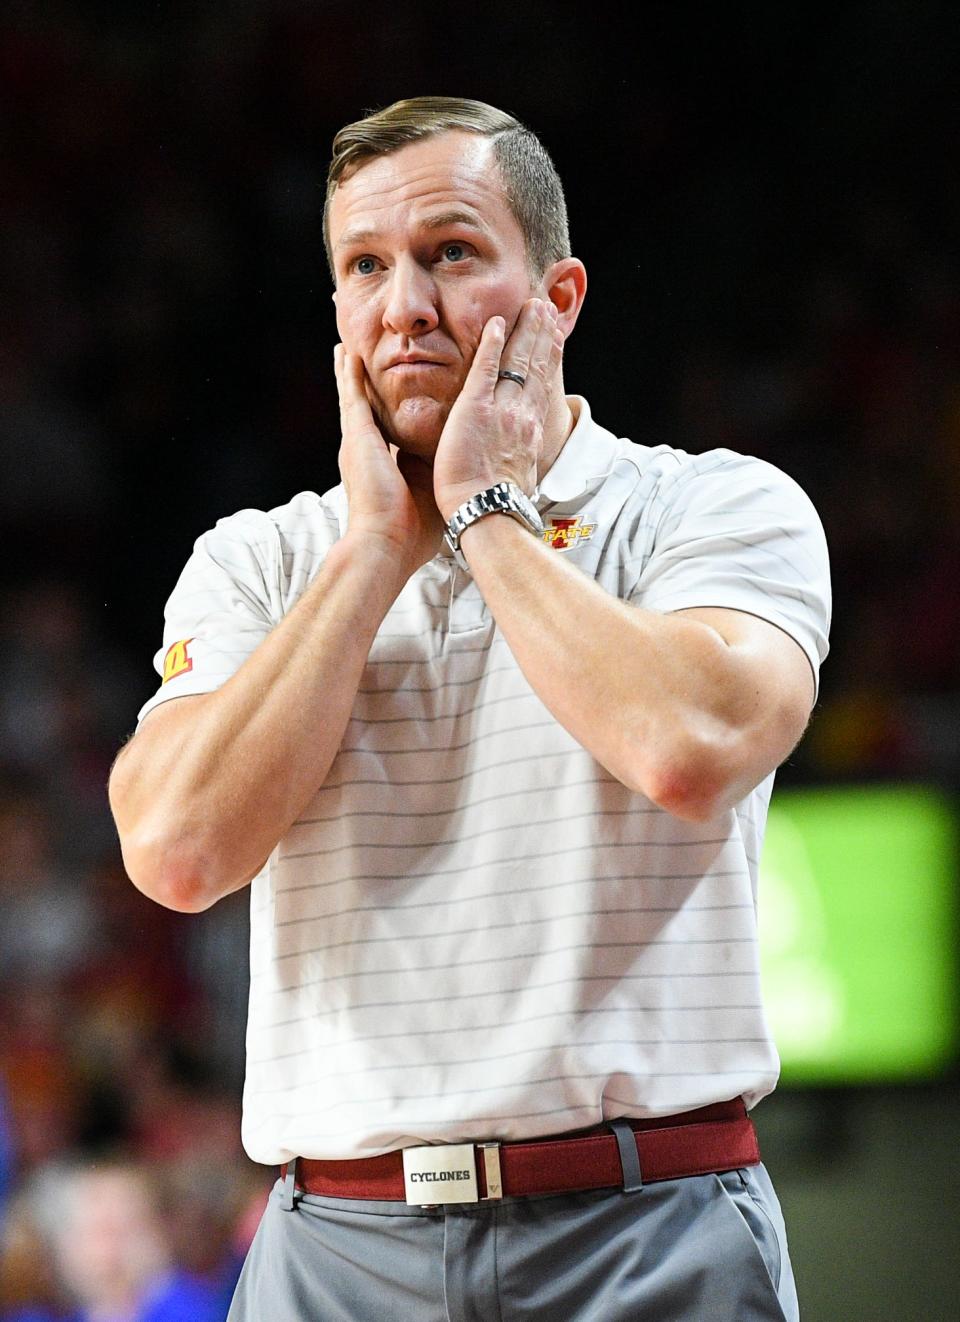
(564, 533)
(177, 660)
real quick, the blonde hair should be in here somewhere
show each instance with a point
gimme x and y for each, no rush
(531, 184)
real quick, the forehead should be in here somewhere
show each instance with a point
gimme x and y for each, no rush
(450, 172)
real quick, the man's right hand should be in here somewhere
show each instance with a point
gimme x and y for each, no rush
(390, 495)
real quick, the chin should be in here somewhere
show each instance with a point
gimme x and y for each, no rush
(415, 425)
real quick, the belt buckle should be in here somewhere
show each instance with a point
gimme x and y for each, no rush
(447, 1173)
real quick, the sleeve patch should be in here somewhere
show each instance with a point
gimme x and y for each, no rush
(177, 660)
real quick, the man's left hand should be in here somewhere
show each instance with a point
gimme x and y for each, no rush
(494, 432)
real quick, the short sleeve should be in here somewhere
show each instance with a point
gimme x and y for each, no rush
(737, 532)
(226, 601)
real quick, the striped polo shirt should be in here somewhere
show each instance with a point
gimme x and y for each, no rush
(474, 931)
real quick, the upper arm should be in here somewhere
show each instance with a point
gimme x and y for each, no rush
(739, 544)
(224, 604)
(171, 711)
(159, 729)
(166, 715)
(774, 674)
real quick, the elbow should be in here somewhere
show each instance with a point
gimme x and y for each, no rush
(170, 873)
(176, 866)
(693, 781)
(699, 780)
(692, 794)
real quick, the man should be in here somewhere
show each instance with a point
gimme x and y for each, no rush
(500, 797)
(110, 1252)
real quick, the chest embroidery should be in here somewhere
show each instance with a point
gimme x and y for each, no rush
(564, 533)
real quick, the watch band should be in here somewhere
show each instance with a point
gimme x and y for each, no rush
(504, 498)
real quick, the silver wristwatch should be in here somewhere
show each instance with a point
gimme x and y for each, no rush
(504, 498)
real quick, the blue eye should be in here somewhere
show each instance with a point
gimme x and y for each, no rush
(455, 252)
(364, 265)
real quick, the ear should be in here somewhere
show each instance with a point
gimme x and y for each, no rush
(565, 284)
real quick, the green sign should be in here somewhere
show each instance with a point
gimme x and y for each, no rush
(858, 933)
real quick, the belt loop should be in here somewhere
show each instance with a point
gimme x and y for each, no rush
(629, 1157)
(289, 1196)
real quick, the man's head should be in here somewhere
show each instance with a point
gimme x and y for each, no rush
(530, 182)
(440, 214)
(108, 1239)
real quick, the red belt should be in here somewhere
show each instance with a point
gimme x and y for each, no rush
(710, 1139)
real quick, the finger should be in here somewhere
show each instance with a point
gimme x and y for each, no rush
(348, 388)
(520, 344)
(542, 342)
(355, 410)
(482, 376)
(546, 350)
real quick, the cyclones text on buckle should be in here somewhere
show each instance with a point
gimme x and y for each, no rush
(444, 1173)
(447, 1173)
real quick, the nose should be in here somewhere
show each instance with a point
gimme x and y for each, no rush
(411, 301)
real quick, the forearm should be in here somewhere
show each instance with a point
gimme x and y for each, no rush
(661, 700)
(202, 794)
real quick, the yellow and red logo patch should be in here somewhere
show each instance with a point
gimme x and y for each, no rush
(564, 533)
(177, 660)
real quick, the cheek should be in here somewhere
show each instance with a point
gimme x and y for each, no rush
(486, 304)
(353, 324)
(471, 326)
(500, 301)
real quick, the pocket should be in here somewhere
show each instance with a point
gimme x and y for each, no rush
(745, 1196)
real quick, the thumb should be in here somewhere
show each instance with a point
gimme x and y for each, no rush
(356, 415)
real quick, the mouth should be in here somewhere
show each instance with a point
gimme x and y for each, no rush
(408, 366)
(400, 370)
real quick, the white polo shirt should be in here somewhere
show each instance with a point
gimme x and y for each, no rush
(474, 931)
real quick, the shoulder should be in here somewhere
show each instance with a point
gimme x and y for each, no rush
(306, 525)
(676, 471)
(661, 474)
(721, 485)
(662, 486)
(306, 512)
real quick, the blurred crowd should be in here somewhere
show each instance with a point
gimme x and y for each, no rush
(164, 317)
(123, 1189)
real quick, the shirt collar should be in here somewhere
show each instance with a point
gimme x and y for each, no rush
(585, 459)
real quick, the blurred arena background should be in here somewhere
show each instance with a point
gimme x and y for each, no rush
(767, 201)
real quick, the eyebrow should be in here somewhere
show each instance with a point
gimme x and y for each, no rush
(454, 218)
(439, 221)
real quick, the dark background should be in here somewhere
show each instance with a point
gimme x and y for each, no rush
(766, 198)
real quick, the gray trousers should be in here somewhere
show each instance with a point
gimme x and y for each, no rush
(709, 1248)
